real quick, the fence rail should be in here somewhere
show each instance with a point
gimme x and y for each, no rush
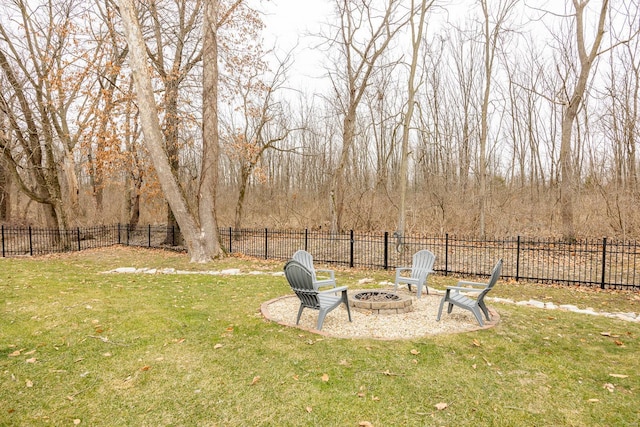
(608, 264)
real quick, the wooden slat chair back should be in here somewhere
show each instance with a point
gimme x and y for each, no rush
(306, 259)
(477, 306)
(421, 267)
(301, 282)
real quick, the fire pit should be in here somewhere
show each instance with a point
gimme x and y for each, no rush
(380, 302)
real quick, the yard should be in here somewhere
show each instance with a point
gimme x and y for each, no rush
(80, 347)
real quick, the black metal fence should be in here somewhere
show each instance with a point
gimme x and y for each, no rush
(608, 264)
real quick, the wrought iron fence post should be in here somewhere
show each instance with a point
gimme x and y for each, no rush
(306, 239)
(604, 261)
(518, 260)
(266, 244)
(230, 239)
(3, 241)
(78, 231)
(118, 233)
(149, 235)
(30, 242)
(446, 254)
(351, 245)
(386, 250)
(173, 235)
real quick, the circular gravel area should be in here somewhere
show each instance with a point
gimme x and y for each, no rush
(418, 323)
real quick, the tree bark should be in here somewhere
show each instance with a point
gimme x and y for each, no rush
(570, 111)
(210, 130)
(416, 39)
(196, 237)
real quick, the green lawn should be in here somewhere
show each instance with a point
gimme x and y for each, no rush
(81, 347)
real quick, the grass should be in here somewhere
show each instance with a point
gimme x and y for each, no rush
(79, 346)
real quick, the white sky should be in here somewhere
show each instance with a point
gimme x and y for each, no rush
(289, 22)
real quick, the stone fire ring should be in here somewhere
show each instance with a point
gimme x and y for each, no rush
(380, 302)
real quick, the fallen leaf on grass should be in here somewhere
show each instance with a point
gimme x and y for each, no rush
(440, 406)
(255, 380)
(217, 346)
(610, 387)
(309, 409)
(619, 376)
(476, 343)
(15, 353)
(145, 368)
(28, 353)
(619, 343)
(76, 422)
(609, 334)
(365, 424)
(325, 377)
(29, 383)
(593, 400)
(31, 360)
(414, 352)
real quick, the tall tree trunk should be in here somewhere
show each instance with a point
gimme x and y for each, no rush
(568, 183)
(197, 238)
(337, 190)
(416, 40)
(171, 132)
(5, 193)
(210, 132)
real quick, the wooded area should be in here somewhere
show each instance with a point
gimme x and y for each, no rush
(498, 118)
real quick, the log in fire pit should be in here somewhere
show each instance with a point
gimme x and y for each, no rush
(380, 302)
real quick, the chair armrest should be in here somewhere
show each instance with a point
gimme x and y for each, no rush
(334, 290)
(331, 273)
(463, 289)
(399, 270)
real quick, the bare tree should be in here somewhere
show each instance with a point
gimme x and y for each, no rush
(466, 62)
(34, 101)
(201, 233)
(493, 27)
(174, 50)
(363, 36)
(572, 104)
(417, 35)
(262, 127)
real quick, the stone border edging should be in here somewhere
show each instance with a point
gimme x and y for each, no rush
(264, 310)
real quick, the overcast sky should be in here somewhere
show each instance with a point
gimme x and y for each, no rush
(287, 24)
